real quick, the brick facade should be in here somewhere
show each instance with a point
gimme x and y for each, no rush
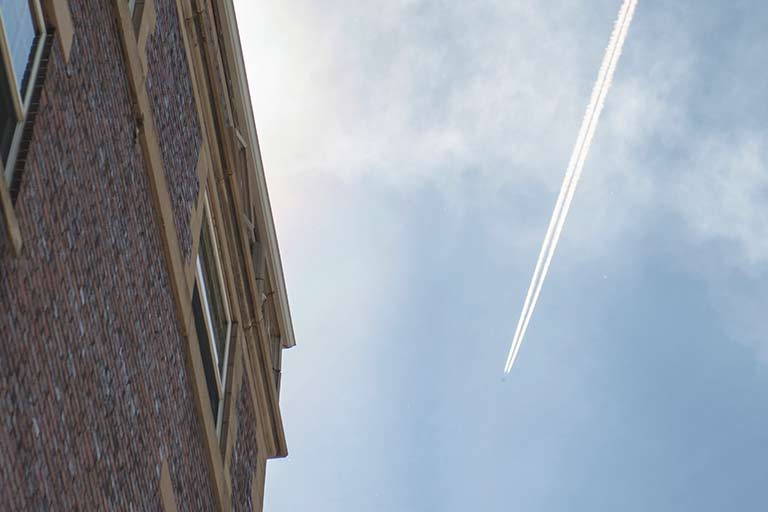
(96, 389)
(102, 390)
(173, 104)
(93, 382)
(245, 455)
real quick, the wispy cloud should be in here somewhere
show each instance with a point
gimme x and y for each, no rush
(375, 116)
(572, 175)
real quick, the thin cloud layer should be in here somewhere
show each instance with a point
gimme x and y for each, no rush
(411, 91)
(413, 151)
(573, 174)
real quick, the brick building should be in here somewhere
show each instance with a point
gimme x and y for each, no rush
(143, 310)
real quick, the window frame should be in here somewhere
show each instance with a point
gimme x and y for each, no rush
(20, 104)
(202, 287)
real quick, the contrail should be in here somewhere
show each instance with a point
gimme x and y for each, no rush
(573, 173)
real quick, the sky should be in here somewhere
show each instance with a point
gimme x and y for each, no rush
(414, 150)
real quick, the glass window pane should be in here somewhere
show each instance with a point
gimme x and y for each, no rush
(21, 34)
(213, 293)
(8, 121)
(205, 352)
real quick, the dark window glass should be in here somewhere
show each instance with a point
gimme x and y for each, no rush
(214, 300)
(8, 119)
(205, 352)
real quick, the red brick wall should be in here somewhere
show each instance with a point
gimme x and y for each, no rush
(93, 385)
(173, 103)
(244, 457)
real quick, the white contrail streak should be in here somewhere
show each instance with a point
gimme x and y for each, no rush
(573, 173)
(579, 167)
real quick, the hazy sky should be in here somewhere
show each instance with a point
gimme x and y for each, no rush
(414, 150)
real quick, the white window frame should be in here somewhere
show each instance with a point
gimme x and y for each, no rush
(21, 105)
(221, 376)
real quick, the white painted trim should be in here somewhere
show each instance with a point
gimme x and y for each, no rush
(264, 209)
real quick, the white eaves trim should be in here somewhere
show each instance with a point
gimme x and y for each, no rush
(264, 209)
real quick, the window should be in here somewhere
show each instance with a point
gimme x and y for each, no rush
(213, 322)
(136, 8)
(22, 40)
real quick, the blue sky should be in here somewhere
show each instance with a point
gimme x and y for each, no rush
(414, 150)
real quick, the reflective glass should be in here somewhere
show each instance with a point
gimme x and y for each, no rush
(213, 294)
(20, 33)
